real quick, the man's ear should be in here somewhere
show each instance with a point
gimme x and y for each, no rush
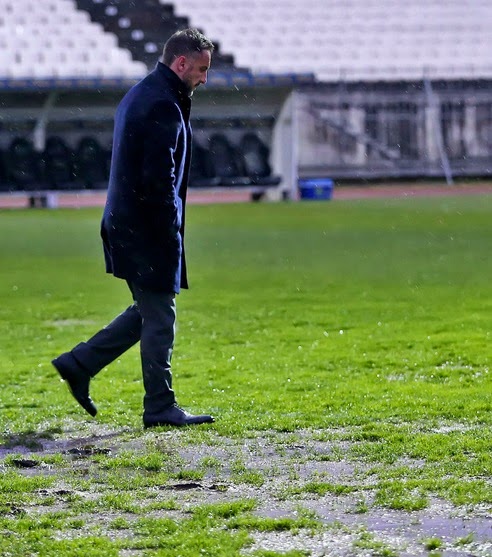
(181, 63)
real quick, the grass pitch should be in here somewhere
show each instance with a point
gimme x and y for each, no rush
(318, 334)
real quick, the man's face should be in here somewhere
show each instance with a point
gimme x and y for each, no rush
(195, 70)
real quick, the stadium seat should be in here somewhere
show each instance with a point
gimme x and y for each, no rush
(23, 165)
(5, 185)
(201, 171)
(261, 35)
(57, 164)
(89, 166)
(144, 29)
(31, 31)
(226, 162)
(255, 155)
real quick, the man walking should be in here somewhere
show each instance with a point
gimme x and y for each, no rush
(143, 228)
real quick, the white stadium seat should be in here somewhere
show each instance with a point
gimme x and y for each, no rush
(387, 39)
(51, 38)
(359, 39)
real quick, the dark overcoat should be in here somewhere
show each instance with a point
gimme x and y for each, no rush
(144, 217)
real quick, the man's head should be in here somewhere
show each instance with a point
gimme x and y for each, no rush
(188, 53)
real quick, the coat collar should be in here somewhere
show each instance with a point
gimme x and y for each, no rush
(173, 81)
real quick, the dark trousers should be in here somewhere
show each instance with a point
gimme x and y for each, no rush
(150, 320)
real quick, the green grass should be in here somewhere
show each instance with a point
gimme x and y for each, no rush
(377, 549)
(433, 543)
(360, 327)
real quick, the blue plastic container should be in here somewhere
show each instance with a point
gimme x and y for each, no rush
(316, 188)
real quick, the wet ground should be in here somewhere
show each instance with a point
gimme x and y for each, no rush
(348, 529)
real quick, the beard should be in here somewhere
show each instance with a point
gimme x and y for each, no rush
(190, 87)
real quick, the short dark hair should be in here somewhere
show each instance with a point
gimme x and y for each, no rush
(185, 43)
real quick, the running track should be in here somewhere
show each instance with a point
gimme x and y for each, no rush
(237, 195)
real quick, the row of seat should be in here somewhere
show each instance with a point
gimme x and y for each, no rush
(44, 18)
(51, 6)
(331, 5)
(340, 13)
(224, 163)
(216, 162)
(361, 33)
(346, 16)
(354, 39)
(54, 39)
(77, 38)
(67, 60)
(57, 167)
(72, 69)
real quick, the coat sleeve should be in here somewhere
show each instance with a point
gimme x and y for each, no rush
(160, 132)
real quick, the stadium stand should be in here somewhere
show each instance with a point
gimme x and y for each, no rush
(4, 185)
(57, 161)
(226, 161)
(358, 89)
(201, 172)
(51, 38)
(256, 157)
(143, 27)
(89, 169)
(352, 40)
(23, 165)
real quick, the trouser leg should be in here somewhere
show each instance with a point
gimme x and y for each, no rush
(158, 312)
(109, 343)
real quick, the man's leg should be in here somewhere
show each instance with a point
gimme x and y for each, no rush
(79, 365)
(109, 343)
(158, 313)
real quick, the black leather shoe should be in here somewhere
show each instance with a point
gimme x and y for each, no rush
(78, 383)
(174, 415)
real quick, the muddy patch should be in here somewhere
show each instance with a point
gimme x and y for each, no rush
(272, 469)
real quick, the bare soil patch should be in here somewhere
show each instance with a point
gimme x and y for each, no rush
(285, 462)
